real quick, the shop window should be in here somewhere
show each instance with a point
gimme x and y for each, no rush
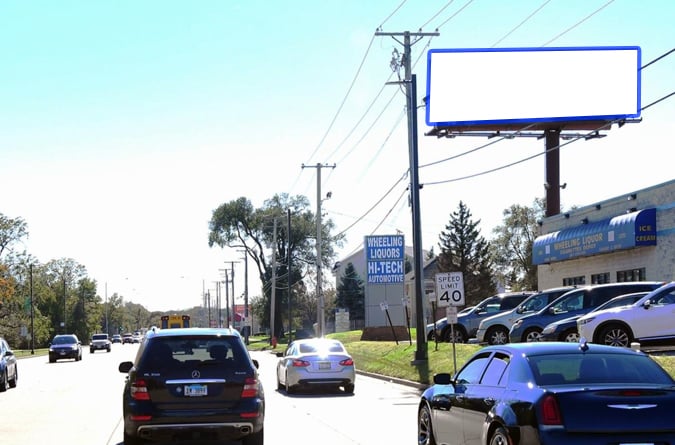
(600, 278)
(631, 275)
(574, 281)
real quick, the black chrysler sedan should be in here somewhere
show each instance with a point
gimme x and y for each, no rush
(192, 384)
(553, 393)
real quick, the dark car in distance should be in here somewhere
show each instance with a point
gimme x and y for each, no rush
(193, 384)
(553, 393)
(65, 346)
(9, 373)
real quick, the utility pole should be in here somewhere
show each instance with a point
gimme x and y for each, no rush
(274, 283)
(288, 273)
(233, 312)
(410, 83)
(248, 322)
(321, 316)
(32, 312)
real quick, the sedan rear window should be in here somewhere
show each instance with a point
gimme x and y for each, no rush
(596, 369)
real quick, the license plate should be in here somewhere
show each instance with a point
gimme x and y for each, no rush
(195, 390)
(62, 352)
(324, 365)
(639, 443)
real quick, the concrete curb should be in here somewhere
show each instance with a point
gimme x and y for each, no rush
(387, 378)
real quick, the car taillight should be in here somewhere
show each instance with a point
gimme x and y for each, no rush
(550, 411)
(299, 363)
(250, 388)
(347, 362)
(139, 390)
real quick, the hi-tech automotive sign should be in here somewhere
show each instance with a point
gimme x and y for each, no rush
(385, 258)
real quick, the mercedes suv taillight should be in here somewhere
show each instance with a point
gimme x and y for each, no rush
(139, 390)
(250, 388)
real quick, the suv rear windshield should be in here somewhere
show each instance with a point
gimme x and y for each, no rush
(194, 351)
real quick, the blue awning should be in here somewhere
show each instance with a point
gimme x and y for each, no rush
(621, 232)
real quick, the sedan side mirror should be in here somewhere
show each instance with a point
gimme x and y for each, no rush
(647, 304)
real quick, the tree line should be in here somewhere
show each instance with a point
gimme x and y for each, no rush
(41, 299)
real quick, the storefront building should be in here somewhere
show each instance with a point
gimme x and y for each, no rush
(630, 237)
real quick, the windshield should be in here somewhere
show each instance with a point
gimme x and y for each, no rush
(64, 340)
(100, 337)
(570, 302)
(534, 303)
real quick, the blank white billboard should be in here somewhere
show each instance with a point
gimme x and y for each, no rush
(525, 85)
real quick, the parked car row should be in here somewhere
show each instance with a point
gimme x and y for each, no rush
(607, 313)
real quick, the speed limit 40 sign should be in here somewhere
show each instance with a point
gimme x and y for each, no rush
(450, 289)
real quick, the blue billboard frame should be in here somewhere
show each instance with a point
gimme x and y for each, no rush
(543, 119)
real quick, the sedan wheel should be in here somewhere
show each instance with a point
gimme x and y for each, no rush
(533, 335)
(459, 336)
(497, 336)
(571, 336)
(349, 388)
(289, 388)
(500, 437)
(615, 336)
(425, 433)
(13, 382)
(3, 382)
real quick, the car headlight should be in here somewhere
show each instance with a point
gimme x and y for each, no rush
(584, 321)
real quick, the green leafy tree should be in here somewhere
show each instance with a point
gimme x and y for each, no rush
(237, 224)
(463, 249)
(512, 245)
(351, 293)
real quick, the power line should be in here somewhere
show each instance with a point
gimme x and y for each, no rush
(578, 23)
(521, 23)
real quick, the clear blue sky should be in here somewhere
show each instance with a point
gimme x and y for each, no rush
(124, 124)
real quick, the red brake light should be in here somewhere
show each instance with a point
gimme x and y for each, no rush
(250, 388)
(347, 362)
(550, 411)
(300, 363)
(139, 390)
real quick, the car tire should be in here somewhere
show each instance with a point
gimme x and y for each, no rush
(91, 351)
(616, 335)
(570, 336)
(500, 437)
(253, 438)
(15, 380)
(425, 430)
(532, 335)
(459, 336)
(280, 386)
(3, 382)
(108, 350)
(349, 388)
(497, 335)
(289, 388)
(52, 360)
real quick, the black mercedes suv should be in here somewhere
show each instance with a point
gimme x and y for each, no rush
(192, 384)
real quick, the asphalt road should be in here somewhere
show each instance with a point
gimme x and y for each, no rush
(79, 403)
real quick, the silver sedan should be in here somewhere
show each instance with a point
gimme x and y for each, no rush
(315, 362)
